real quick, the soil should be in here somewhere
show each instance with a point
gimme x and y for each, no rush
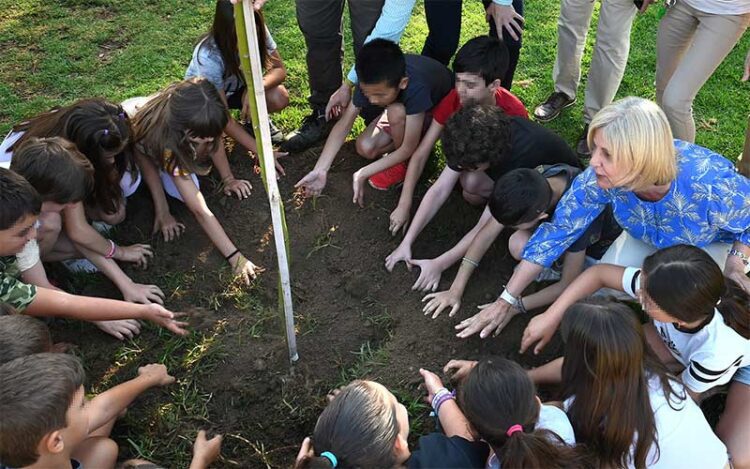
(354, 319)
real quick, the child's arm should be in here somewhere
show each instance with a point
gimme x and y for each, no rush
(36, 275)
(197, 206)
(205, 451)
(314, 182)
(54, 303)
(109, 404)
(451, 298)
(432, 269)
(163, 220)
(452, 420)
(82, 234)
(541, 328)
(573, 263)
(400, 216)
(431, 203)
(276, 74)
(549, 373)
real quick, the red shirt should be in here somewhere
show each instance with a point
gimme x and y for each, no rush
(451, 103)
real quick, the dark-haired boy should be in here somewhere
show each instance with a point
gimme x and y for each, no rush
(480, 143)
(521, 200)
(20, 206)
(395, 95)
(47, 420)
(478, 67)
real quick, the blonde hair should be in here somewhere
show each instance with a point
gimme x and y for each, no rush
(639, 140)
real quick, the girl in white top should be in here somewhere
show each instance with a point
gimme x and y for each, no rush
(701, 327)
(624, 406)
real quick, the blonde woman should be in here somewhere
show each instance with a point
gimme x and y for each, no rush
(662, 191)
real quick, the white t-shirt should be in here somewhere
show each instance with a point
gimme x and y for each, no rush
(550, 418)
(711, 353)
(720, 7)
(685, 439)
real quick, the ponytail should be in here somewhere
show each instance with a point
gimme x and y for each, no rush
(314, 462)
(734, 306)
(539, 448)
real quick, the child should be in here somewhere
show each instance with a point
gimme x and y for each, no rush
(624, 406)
(479, 67)
(499, 401)
(365, 426)
(19, 210)
(47, 420)
(521, 200)
(481, 143)
(395, 94)
(178, 132)
(63, 178)
(101, 131)
(702, 330)
(217, 59)
(22, 335)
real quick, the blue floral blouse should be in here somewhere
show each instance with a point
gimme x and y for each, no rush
(708, 202)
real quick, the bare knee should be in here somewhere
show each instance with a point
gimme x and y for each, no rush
(396, 114)
(366, 148)
(516, 245)
(49, 230)
(473, 199)
(97, 452)
(114, 218)
(277, 98)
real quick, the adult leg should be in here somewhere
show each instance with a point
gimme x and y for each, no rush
(513, 45)
(572, 29)
(363, 14)
(734, 426)
(444, 29)
(627, 251)
(673, 37)
(714, 38)
(610, 54)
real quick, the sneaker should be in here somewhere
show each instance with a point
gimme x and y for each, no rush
(553, 106)
(104, 229)
(548, 275)
(582, 148)
(277, 136)
(314, 129)
(389, 177)
(80, 266)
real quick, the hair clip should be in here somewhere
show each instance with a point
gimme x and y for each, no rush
(106, 132)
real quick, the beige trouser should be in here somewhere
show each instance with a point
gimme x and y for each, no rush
(610, 51)
(628, 251)
(690, 46)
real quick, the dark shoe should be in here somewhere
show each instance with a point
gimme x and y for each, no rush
(552, 108)
(277, 136)
(314, 129)
(582, 148)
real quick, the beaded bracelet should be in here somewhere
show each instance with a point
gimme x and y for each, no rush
(743, 257)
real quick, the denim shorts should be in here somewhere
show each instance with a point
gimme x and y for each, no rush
(742, 375)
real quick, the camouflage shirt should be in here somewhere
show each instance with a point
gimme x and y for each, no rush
(12, 290)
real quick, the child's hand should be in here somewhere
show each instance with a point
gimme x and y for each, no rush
(138, 293)
(540, 330)
(236, 187)
(429, 274)
(305, 451)
(339, 101)
(169, 227)
(156, 373)
(440, 301)
(358, 184)
(120, 329)
(313, 183)
(138, 254)
(432, 383)
(166, 319)
(459, 369)
(276, 155)
(399, 220)
(245, 269)
(402, 253)
(205, 451)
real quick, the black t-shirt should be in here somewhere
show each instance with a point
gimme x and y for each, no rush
(438, 450)
(429, 82)
(533, 145)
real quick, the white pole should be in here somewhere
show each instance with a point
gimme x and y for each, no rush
(254, 77)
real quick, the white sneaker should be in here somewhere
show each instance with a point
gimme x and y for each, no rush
(80, 266)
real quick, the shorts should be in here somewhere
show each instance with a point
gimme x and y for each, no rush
(742, 375)
(171, 189)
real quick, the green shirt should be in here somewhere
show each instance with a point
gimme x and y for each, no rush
(12, 290)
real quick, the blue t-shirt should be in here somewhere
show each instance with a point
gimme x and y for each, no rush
(707, 202)
(429, 82)
(208, 63)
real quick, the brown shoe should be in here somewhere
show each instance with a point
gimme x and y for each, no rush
(582, 148)
(553, 106)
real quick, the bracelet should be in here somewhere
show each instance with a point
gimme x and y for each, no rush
(521, 307)
(471, 262)
(112, 250)
(508, 297)
(234, 253)
(743, 257)
(440, 398)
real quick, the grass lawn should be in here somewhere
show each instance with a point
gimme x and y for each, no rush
(54, 52)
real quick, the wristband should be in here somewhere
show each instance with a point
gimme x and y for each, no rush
(471, 262)
(440, 397)
(112, 250)
(508, 297)
(743, 257)
(234, 253)
(521, 307)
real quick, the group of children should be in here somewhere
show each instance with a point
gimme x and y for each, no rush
(629, 391)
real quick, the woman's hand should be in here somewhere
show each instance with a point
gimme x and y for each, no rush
(539, 331)
(138, 254)
(138, 293)
(339, 101)
(505, 17)
(170, 228)
(490, 320)
(236, 187)
(439, 301)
